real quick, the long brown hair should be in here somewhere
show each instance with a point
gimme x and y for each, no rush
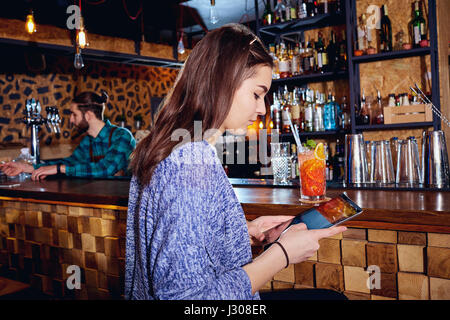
(203, 91)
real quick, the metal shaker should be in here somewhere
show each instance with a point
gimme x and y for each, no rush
(356, 169)
(435, 166)
(382, 168)
(408, 162)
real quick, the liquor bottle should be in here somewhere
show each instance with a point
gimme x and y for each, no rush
(295, 109)
(378, 114)
(309, 111)
(364, 115)
(324, 54)
(286, 111)
(329, 117)
(293, 7)
(302, 9)
(338, 162)
(342, 52)
(268, 14)
(287, 9)
(386, 31)
(332, 53)
(316, 7)
(329, 165)
(310, 8)
(337, 114)
(345, 122)
(284, 63)
(295, 64)
(280, 12)
(306, 61)
(418, 29)
(302, 110)
(318, 113)
(276, 118)
(275, 70)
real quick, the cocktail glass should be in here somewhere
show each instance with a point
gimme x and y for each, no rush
(312, 168)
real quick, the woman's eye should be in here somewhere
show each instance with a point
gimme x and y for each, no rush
(256, 96)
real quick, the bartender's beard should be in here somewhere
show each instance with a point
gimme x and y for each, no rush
(82, 127)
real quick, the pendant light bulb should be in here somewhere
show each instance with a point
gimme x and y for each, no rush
(30, 25)
(78, 61)
(81, 36)
(181, 45)
(213, 16)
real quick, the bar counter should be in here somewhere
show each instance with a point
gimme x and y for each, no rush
(49, 225)
(427, 211)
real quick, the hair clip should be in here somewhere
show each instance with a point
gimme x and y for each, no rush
(251, 42)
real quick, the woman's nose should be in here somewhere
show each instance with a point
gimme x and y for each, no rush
(261, 108)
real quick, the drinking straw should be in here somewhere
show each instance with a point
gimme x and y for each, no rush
(419, 93)
(295, 133)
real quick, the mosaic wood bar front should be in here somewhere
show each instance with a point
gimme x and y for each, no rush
(39, 241)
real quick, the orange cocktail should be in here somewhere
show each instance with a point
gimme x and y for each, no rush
(312, 167)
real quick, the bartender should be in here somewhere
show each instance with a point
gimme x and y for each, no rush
(103, 152)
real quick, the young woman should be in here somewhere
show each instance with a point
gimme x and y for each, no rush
(187, 237)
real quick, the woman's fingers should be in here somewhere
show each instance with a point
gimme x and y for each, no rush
(328, 232)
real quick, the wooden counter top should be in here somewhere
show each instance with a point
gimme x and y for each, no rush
(426, 211)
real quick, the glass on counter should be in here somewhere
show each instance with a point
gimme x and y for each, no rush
(312, 168)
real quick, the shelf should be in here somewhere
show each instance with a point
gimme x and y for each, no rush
(391, 55)
(313, 134)
(314, 77)
(95, 55)
(321, 20)
(394, 126)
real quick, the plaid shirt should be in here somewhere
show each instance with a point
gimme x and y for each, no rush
(116, 157)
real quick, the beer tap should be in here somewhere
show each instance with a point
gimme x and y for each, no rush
(34, 120)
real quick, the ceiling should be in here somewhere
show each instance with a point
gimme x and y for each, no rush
(160, 17)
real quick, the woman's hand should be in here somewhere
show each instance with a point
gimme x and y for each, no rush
(266, 229)
(15, 168)
(301, 243)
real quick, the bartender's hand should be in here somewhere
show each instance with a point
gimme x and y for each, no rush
(267, 228)
(15, 168)
(43, 172)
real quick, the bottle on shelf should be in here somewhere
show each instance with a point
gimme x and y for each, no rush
(345, 119)
(276, 113)
(293, 8)
(385, 31)
(318, 113)
(286, 111)
(329, 117)
(267, 15)
(275, 69)
(332, 53)
(287, 6)
(309, 111)
(378, 117)
(417, 26)
(295, 109)
(362, 34)
(302, 9)
(321, 54)
(284, 63)
(280, 12)
(295, 64)
(363, 117)
(338, 162)
(342, 53)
